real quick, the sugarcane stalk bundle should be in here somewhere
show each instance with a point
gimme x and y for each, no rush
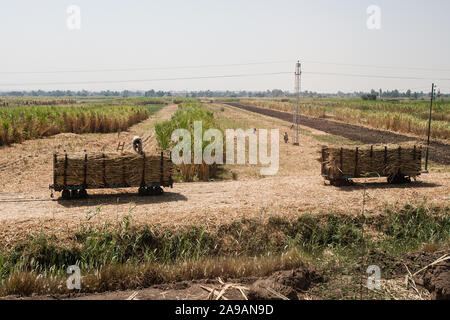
(370, 161)
(102, 170)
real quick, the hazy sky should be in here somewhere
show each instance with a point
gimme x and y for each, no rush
(132, 34)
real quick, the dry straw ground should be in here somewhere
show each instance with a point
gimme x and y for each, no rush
(26, 172)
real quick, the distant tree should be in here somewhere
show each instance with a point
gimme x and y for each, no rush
(369, 96)
(150, 93)
(277, 93)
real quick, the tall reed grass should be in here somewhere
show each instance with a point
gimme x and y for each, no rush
(405, 116)
(28, 122)
(394, 121)
(188, 112)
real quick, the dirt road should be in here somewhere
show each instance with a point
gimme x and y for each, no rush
(440, 153)
(212, 204)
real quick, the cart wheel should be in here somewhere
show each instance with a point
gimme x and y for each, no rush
(142, 191)
(74, 194)
(159, 191)
(150, 191)
(65, 194)
(398, 179)
(336, 183)
(83, 194)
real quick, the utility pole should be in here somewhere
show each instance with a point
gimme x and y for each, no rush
(429, 127)
(296, 116)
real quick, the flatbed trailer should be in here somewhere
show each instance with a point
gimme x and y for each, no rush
(342, 179)
(147, 186)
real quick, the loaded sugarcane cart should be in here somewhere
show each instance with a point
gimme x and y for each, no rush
(76, 172)
(398, 163)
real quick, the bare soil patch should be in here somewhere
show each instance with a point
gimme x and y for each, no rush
(437, 280)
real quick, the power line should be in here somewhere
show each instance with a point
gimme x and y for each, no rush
(145, 68)
(375, 66)
(219, 66)
(375, 76)
(145, 80)
(224, 76)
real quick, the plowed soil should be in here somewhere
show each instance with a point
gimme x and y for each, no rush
(439, 152)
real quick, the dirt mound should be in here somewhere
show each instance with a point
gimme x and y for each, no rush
(282, 284)
(437, 280)
(66, 135)
(394, 266)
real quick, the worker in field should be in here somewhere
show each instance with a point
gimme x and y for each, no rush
(286, 137)
(137, 144)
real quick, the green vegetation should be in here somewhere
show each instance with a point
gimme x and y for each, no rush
(30, 120)
(126, 256)
(332, 139)
(188, 112)
(406, 116)
(41, 101)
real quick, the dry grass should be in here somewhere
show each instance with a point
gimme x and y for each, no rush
(122, 277)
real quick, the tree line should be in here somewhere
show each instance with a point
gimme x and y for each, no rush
(274, 93)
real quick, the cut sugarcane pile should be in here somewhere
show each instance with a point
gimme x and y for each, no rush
(98, 170)
(376, 160)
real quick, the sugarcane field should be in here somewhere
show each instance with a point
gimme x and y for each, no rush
(124, 177)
